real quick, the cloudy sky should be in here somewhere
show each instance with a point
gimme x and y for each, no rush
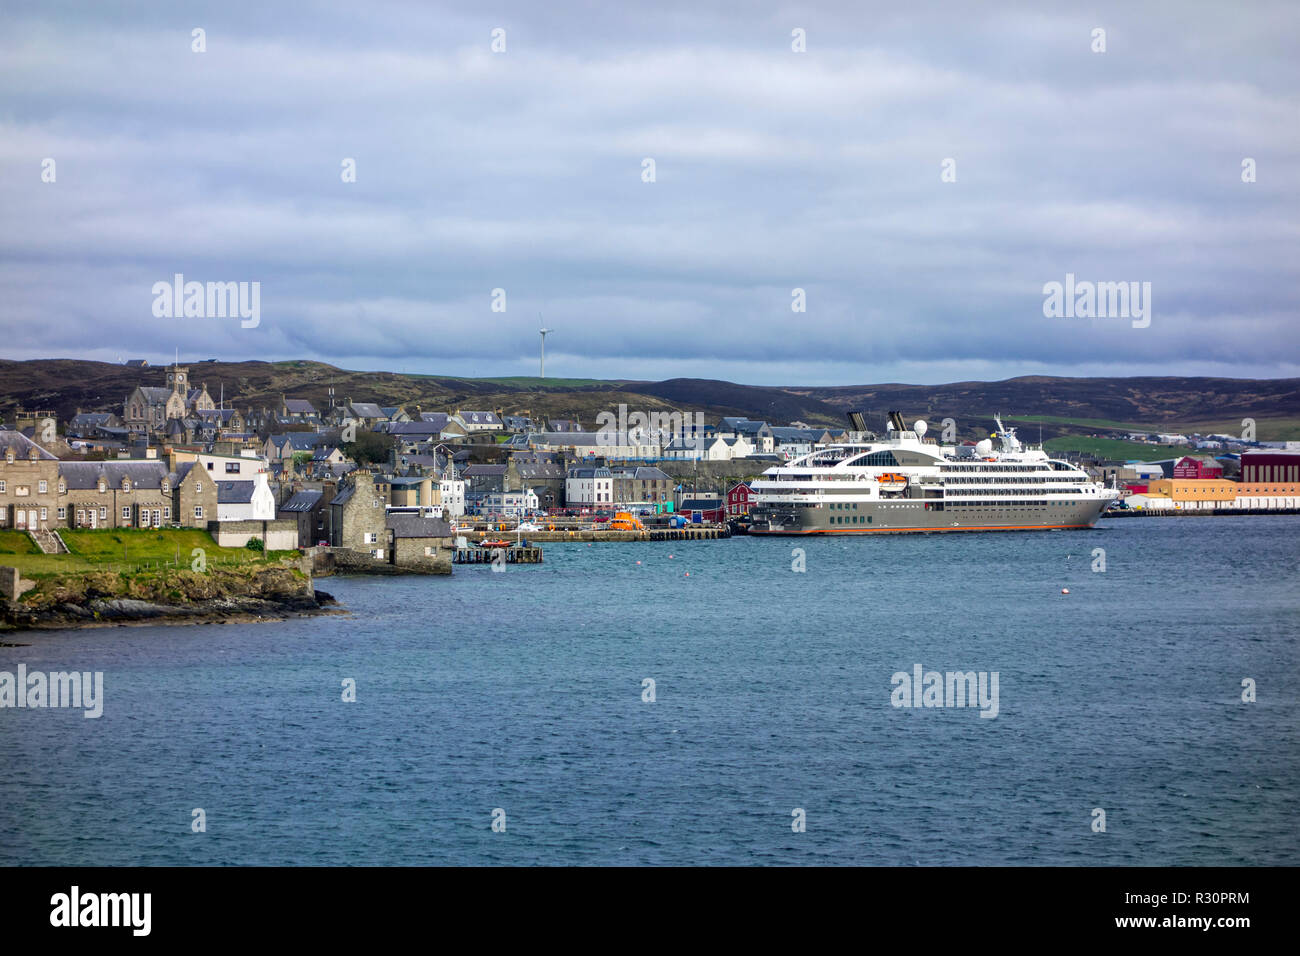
(774, 170)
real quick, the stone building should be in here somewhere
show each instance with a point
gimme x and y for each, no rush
(115, 494)
(147, 410)
(29, 484)
(357, 515)
(194, 492)
(420, 543)
(308, 508)
(641, 485)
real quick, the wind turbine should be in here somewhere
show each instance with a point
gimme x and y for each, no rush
(543, 332)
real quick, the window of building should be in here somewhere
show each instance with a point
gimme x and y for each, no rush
(103, 512)
(2, 487)
(198, 511)
(63, 513)
(126, 515)
(42, 487)
(44, 514)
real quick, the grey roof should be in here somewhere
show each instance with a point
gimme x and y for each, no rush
(344, 495)
(298, 441)
(417, 526)
(85, 474)
(414, 428)
(22, 445)
(219, 414)
(540, 469)
(480, 418)
(334, 468)
(435, 418)
(235, 492)
(566, 438)
(92, 418)
(366, 410)
(701, 504)
(419, 461)
(305, 500)
(155, 394)
(473, 471)
(590, 473)
(390, 410)
(299, 406)
(641, 473)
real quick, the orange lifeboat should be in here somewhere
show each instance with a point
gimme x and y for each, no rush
(626, 521)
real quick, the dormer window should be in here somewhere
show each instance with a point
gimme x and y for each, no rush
(63, 487)
(126, 484)
(103, 486)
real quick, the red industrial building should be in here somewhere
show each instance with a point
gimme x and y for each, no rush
(1190, 467)
(1270, 466)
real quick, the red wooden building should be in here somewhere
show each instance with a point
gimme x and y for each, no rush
(738, 499)
(1190, 467)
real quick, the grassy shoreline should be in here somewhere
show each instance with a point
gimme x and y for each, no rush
(126, 549)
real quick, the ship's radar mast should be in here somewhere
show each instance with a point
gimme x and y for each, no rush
(1007, 435)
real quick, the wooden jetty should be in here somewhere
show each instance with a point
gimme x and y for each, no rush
(488, 555)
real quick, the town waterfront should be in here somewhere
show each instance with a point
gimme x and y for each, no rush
(523, 690)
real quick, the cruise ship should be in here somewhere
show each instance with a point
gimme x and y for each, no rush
(910, 483)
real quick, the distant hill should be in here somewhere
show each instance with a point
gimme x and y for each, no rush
(1062, 406)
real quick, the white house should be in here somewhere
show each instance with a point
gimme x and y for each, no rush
(709, 449)
(479, 421)
(248, 500)
(451, 492)
(586, 487)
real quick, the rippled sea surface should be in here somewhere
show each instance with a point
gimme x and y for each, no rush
(523, 691)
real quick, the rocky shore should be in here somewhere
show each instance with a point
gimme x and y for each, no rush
(105, 599)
